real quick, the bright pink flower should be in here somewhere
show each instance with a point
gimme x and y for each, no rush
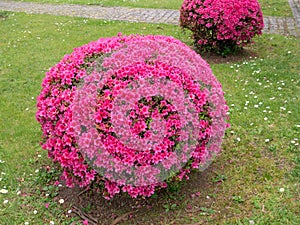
(115, 108)
(217, 23)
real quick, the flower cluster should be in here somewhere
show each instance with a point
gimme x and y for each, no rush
(221, 25)
(131, 112)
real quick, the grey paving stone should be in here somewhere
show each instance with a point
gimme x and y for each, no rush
(295, 6)
(279, 25)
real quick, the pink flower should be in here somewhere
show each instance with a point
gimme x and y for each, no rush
(217, 23)
(117, 110)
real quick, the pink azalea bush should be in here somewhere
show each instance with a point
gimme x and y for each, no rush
(221, 25)
(131, 113)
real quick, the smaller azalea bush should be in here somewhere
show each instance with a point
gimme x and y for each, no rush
(221, 26)
(131, 113)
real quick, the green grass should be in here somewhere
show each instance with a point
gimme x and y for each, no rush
(163, 4)
(276, 8)
(269, 7)
(261, 149)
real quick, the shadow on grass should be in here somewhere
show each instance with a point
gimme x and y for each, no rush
(4, 15)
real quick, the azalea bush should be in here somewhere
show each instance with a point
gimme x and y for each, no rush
(131, 113)
(222, 26)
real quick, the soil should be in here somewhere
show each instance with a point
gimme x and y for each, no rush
(240, 56)
(123, 209)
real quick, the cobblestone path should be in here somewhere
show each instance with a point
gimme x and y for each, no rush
(278, 25)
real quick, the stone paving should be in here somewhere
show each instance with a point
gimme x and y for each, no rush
(278, 25)
(295, 6)
(281, 25)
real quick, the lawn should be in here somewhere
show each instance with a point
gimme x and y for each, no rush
(269, 7)
(254, 181)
